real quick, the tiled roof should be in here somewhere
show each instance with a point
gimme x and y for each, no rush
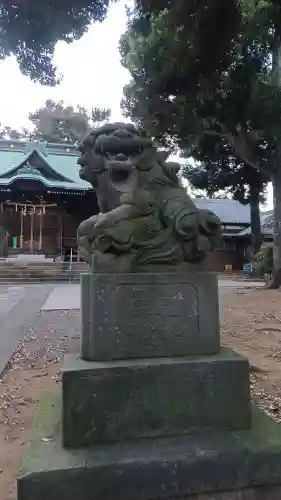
(62, 158)
(228, 211)
(266, 225)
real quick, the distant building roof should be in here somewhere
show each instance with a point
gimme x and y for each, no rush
(267, 221)
(228, 211)
(61, 160)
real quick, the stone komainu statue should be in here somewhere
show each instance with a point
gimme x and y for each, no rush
(146, 216)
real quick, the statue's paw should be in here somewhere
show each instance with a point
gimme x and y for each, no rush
(87, 227)
(84, 249)
(102, 221)
(108, 262)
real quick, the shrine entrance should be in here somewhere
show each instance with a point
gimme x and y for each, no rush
(31, 228)
(35, 228)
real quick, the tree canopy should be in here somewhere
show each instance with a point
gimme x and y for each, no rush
(30, 30)
(215, 96)
(57, 122)
(7, 132)
(223, 172)
(181, 97)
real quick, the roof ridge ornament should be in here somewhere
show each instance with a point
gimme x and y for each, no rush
(27, 168)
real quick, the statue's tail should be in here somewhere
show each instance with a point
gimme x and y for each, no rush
(199, 232)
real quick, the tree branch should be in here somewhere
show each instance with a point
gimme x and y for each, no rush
(211, 133)
(240, 148)
(239, 144)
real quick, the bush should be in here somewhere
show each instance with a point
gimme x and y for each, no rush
(263, 261)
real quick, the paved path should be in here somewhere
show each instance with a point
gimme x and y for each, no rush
(9, 298)
(19, 306)
(63, 297)
(67, 297)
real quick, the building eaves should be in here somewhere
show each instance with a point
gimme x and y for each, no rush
(229, 211)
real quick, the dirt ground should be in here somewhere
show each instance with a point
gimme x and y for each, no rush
(35, 368)
(250, 324)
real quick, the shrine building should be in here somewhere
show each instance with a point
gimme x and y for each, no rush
(42, 198)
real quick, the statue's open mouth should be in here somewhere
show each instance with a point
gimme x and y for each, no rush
(119, 176)
(120, 171)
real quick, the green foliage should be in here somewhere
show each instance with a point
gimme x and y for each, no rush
(162, 31)
(209, 92)
(10, 133)
(185, 88)
(263, 261)
(218, 169)
(30, 30)
(224, 172)
(99, 116)
(56, 122)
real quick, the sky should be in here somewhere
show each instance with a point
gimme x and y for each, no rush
(92, 76)
(92, 72)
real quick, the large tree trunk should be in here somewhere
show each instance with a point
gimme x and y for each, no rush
(255, 219)
(275, 282)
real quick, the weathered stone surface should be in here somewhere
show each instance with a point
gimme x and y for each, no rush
(258, 493)
(148, 315)
(146, 215)
(171, 468)
(131, 399)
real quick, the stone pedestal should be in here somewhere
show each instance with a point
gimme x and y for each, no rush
(155, 409)
(144, 398)
(149, 315)
(234, 465)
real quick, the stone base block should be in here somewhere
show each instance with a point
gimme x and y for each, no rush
(148, 315)
(241, 465)
(112, 401)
